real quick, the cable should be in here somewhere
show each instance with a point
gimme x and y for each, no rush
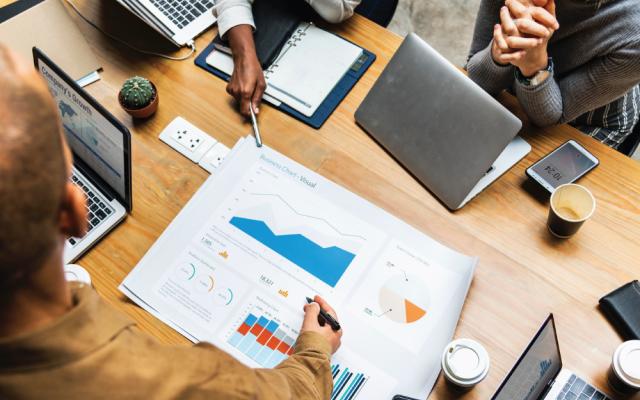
(191, 44)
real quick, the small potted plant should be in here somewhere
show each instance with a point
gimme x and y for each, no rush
(139, 97)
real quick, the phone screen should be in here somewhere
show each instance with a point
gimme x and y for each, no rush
(564, 165)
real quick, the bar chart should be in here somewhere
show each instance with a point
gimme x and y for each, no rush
(263, 338)
(346, 383)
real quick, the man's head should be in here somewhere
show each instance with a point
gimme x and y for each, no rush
(38, 207)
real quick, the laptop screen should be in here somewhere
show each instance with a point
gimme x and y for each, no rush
(92, 138)
(538, 366)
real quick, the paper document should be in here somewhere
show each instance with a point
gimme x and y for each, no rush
(234, 268)
(308, 68)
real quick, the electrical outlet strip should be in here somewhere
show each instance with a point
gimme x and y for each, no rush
(195, 144)
(214, 157)
(187, 139)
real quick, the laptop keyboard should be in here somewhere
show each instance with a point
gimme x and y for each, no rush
(182, 12)
(577, 389)
(97, 210)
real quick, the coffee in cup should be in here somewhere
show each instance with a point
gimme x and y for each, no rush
(624, 373)
(570, 206)
(465, 363)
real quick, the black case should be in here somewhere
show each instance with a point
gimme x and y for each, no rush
(622, 309)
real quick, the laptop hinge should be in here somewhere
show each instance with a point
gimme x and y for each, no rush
(547, 389)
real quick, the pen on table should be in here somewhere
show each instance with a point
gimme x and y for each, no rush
(256, 130)
(335, 325)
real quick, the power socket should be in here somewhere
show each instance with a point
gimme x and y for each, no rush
(187, 139)
(214, 157)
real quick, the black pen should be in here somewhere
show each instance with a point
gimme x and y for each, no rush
(335, 325)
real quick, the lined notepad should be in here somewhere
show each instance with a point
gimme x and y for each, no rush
(308, 68)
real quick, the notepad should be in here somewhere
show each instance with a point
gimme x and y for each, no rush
(308, 68)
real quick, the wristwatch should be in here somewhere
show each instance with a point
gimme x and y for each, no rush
(538, 78)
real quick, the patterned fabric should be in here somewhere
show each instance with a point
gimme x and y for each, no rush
(613, 123)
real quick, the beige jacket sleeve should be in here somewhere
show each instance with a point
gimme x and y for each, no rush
(304, 375)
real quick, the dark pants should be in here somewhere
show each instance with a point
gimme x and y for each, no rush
(378, 11)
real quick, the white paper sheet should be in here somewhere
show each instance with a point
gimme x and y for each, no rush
(263, 234)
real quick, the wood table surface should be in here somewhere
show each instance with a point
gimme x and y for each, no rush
(523, 273)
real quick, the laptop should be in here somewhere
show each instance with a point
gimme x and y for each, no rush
(180, 21)
(101, 149)
(451, 135)
(539, 375)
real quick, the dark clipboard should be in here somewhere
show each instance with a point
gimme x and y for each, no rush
(329, 104)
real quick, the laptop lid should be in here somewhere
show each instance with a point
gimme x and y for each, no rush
(101, 145)
(537, 368)
(441, 126)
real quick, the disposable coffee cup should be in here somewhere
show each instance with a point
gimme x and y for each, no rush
(75, 273)
(465, 363)
(624, 373)
(570, 206)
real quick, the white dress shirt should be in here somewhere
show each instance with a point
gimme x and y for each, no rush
(231, 13)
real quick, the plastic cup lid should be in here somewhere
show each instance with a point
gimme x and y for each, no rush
(466, 360)
(74, 272)
(627, 362)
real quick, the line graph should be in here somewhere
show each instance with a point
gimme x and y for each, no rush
(326, 264)
(309, 216)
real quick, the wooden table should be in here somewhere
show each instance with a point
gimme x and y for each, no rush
(523, 272)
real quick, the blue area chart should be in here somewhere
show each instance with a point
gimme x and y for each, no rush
(327, 264)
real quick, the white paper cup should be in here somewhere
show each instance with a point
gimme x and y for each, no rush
(465, 363)
(75, 273)
(624, 374)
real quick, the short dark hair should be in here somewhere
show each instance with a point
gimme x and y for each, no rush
(33, 171)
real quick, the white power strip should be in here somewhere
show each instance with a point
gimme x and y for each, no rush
(195, 144)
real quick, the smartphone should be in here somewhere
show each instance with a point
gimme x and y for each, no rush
(566, 164)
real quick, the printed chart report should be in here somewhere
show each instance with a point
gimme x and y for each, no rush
(235, 266)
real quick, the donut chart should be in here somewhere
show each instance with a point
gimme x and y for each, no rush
(404, 299)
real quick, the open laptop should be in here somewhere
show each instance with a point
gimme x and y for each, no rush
(539, 375)
(101, 149)
(443, 128)
(180, 21)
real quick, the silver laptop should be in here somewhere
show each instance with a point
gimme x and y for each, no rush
(443, 128)
(539, 375)
(180, 21)
(101, 149)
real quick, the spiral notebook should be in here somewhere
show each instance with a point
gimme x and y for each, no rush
(308, 68)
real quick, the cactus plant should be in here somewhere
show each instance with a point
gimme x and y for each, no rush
(138, 97)
(136, 93)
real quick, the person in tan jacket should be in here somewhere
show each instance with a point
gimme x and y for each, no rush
(61, 340)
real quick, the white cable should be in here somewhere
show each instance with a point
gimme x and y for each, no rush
(191, 44)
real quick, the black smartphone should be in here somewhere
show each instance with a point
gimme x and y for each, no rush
(566, 164)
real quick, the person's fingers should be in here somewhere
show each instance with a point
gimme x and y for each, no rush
(257, 95)
(516, 42)
(544, 17)
(551, 7)
(325, 306)
(533, 28)
(512, 57)
(541, 3)
(517, 9)
(499, 39)
(508, 26)
(311, 312)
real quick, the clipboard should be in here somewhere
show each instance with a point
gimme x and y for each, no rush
(329, 104)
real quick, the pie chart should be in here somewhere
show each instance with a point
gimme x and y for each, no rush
(404, 299)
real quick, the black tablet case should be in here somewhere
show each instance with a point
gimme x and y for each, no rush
(622, 309)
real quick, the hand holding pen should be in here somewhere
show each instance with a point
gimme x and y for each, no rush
(318, 313)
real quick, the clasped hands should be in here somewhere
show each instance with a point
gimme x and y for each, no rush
(522, 36)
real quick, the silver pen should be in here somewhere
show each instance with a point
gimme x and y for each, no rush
(256, 130)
